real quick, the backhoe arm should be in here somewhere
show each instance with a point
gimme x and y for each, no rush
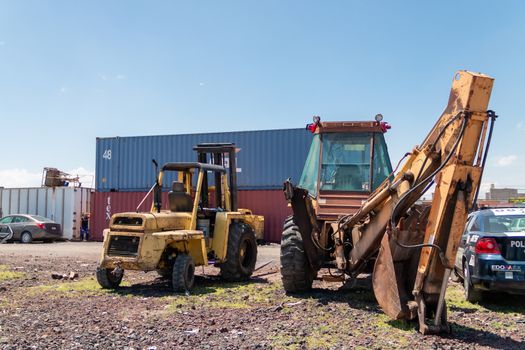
(418, 250)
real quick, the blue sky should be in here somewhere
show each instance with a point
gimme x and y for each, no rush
(71, 71)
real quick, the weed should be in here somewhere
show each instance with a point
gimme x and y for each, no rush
(229, 296)
(5, 303)
(83, 286)
(321, 338)
(383, 321)
(286, 341)
(6, 275)
(456, 300)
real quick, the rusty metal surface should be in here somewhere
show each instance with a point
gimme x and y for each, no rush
(331, 205)
(349, 126)
(386, 288)
(396, 267)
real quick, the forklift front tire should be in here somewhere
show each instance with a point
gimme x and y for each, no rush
(241, 255)
(183, 276)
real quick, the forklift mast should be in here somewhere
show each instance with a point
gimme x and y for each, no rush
(216, 152)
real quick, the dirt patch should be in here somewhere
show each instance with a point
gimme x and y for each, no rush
(39, 312)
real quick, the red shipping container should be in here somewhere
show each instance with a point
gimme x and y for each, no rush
(269, 203)
(272, 205)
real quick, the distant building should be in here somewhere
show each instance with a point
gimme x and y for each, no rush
(501, 194)
(493, 203)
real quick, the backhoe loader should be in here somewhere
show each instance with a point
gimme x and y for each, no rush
(411, 247)
(195, 231)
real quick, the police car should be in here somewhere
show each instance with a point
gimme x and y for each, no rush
(491, 255)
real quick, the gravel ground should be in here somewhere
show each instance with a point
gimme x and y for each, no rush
(39, 312)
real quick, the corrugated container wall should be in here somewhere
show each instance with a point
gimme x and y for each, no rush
(269, 203)
(266, 158)
(63, 205)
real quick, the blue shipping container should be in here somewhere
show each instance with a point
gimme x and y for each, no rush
(266, 157)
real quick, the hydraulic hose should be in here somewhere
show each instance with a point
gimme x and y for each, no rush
(451, 120)
(492, 115)
(429, 177)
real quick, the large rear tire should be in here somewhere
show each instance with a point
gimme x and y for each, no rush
(183, 276)
(108, 278)
(241, 254)
(296, 273)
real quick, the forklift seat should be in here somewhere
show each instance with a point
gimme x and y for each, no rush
(179, 200)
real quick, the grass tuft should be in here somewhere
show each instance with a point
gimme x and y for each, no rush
(83, 286)
(242, 295)
(6, 275)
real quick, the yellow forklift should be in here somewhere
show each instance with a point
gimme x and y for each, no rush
(197, 230)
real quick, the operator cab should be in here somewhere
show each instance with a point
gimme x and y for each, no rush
(185, 199)
(201, 200)
(347, 161)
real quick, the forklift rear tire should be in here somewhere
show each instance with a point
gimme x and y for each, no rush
(183, 275)
(108, 279)
(296, 273)
(241, 254)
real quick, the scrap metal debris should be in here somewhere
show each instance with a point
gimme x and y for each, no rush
(58, 276)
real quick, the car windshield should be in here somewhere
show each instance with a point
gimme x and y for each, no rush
(504, 223)
(40, 218)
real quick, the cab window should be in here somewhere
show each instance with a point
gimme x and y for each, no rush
(470, 221)
(475, 225)
(19, 219)
(308, 179)
(346, 162)
(6, 220)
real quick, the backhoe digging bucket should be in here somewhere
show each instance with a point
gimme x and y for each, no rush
(395, 267)
(384, 282)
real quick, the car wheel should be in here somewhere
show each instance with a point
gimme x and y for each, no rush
(26, 237)
(471, 294)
